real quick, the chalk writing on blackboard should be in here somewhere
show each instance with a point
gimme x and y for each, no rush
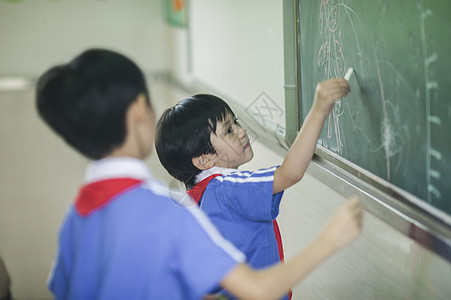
(393, 134)
(333, 63)
(331, 58)
(395, 122)
(431, 120)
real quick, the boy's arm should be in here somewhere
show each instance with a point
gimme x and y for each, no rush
(301, 152)
(274, 282)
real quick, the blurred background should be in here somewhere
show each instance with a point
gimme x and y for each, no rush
(232, 47)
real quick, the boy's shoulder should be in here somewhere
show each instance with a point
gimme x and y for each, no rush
(248, 194)
(241, 176)
(242, 183)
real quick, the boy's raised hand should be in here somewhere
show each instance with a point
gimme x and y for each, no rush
(298, 157)
(327, 92)
(345, 225)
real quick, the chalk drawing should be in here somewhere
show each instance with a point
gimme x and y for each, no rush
(431, 59)
(435, 120)
(431, 120)
(395, 136)
(351, 16)
(394, 139)
(331, 58)
(436, 154)
(436, 174)
(386, 128)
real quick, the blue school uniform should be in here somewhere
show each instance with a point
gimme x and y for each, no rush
(125, 239)
(242, 206)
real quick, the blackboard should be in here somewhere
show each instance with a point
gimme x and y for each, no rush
(396, 122)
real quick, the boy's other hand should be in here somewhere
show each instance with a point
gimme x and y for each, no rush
(345, 225)
(327, 92)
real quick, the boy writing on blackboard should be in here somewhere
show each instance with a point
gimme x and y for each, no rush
(123, 238)
(200, 142)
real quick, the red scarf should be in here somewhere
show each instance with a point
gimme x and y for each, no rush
(97, 194)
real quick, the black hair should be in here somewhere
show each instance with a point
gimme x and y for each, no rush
(86, 100)
(183, 132)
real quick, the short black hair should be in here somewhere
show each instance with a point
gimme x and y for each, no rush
(86, 100)
(183, 132)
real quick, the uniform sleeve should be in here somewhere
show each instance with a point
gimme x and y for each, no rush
(250, 194)
(57, 281)
(204, 257)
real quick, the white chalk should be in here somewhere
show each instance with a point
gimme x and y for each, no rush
(348, 74)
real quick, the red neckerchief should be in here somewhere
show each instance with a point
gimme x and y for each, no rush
(97, 194)
(198, 190)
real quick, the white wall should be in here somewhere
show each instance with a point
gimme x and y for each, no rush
(40, 174)
(237, 49)
(37, 33)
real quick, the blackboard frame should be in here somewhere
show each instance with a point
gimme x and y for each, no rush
(403, 211)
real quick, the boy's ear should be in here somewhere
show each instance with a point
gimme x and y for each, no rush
(204, 162)
(139, 108)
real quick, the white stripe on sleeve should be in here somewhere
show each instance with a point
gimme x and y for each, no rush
(245, 180)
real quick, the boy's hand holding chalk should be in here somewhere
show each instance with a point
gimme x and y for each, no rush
(327, 92)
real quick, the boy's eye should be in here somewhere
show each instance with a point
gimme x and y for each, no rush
(229, 130)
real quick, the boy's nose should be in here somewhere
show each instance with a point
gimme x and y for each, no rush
(241, 131)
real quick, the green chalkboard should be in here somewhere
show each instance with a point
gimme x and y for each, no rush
(396, 122)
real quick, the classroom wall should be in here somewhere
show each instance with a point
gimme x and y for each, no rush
(228, 42)
(39, 173)
(37, 33)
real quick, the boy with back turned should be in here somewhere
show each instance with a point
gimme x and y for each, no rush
(123, 238)
(201, 143)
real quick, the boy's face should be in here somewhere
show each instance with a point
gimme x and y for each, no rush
(231, 144)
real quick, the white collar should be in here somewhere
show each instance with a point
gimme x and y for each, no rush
(213, 170)
(117, 167)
